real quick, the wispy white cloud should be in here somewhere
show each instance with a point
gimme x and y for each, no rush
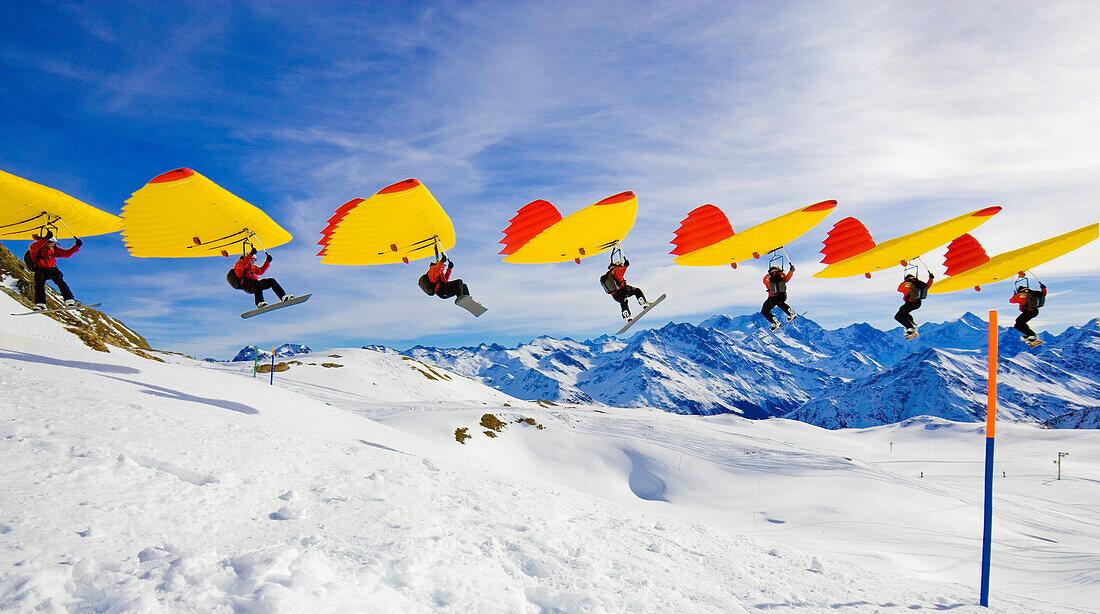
(906, 113)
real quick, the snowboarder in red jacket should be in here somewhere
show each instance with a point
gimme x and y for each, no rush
(437, 281)
(914, 291)
(1029, 301)
(776, 282)
(42, 255)
(249, 275)
(614, 283)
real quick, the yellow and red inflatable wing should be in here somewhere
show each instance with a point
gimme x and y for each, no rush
(968, 270)
(399, 223)
(26, 206)
(706, 238)
(849, 249)
(538, 233)
(182, 214)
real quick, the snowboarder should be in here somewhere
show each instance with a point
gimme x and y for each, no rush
(437, 281)
(776, 283)
(614, 283)
(41, 257)
(914, 291)
(1029, 301)
(248, 276)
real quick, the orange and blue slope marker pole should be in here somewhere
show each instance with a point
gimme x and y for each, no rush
(990, 432)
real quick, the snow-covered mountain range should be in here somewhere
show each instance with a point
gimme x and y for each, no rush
(856, 376)
(249, 353)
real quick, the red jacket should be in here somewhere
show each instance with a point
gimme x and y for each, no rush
(905, 287)
(1021, 298)
(767, 285)
(439, 273)
(619, 273)
(246, 267)
(44, 253)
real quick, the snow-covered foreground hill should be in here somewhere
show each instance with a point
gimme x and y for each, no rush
(135, 485)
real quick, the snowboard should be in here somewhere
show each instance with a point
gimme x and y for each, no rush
(59, 309)
(630, 321)
(276, 305)
(469, 304)
(782, 324)
(914, 335)
(1034, 344)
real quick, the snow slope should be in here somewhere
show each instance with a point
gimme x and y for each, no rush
(137, 486)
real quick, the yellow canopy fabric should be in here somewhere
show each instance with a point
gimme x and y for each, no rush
(182, 214)
(1009, 264)
(399, 223)
(538, 234)
(904, 248)
(705, 237)
(25, 207)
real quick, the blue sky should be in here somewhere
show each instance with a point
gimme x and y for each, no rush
(906, 113)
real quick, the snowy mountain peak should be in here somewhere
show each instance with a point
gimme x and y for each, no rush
(250, 353)
(724, 365)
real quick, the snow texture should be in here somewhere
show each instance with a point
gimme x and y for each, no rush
(131, 485)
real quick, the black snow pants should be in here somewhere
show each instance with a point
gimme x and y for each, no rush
(455, 287)
(256, 287)
(626, 292)
(41, 276)
(776, 300)
(904, 315)
(1021, 322)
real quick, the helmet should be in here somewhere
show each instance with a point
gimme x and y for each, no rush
(1021, 288)
(909, 276)
(774, 268)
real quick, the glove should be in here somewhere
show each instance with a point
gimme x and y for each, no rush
(626, 262)
(931, 276)
(79, 243)
(792, 268)
(268, 259)
(450, 265)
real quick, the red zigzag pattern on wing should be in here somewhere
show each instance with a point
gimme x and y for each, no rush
(703, 227)
(533, 218)
(849, 237)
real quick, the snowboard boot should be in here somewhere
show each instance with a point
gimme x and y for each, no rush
(910, 333)
(775, 325)
(644, 303)
(791, 317)
(40, 307)
(261, 304)
(626, 314)
(286, 297)
(71, 302)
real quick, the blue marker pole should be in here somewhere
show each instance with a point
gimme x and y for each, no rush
(990, 427)
(272, 365)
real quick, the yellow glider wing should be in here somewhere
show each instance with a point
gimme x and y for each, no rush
(25, 207)
(399, 223)
(182, 214)
(1009, 264)
(539, 234)
(705, 237)
(849, 249)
